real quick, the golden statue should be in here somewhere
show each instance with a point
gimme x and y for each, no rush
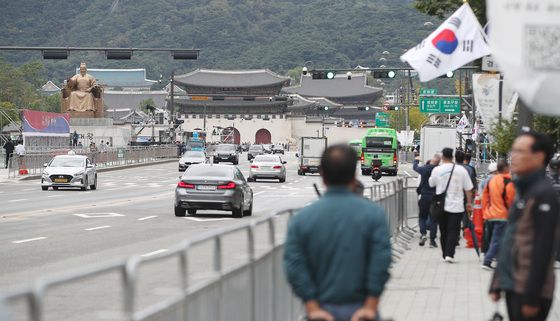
(82, 94)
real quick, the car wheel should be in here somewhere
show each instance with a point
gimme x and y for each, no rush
(236, 162)
(179, 211)
(249, 212)
(85, 186)
(191, 211)
(45, 188)
(283, 179)
(55, 188)
(94, 186)
(250, 179)
(238, 212)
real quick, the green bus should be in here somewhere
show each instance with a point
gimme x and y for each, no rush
(356, 144)
(382, 144)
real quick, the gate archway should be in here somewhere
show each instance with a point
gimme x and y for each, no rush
(231, 135)
(263, 136)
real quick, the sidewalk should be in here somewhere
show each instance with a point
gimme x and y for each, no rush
(424, 288)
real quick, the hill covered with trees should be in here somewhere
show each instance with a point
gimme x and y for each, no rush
(274, 34)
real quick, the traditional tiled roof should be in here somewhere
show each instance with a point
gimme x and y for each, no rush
(132, 99)
(339, 87)
(232, 78)
(120, 77)
(50, 87)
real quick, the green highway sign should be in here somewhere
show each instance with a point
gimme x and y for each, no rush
(440, 105)
(382, 120)
(428, 91)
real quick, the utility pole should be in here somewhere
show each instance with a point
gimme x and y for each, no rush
(524, 117)
(172, 107)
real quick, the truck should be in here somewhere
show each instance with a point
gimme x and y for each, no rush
(433, 139)
(310, 151)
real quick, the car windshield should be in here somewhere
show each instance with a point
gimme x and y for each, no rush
(196, 144)
(209, 171)
(67, 162)
(267, 159)
(225, 148)
(278, 147)
(256, 148)
(193, 154)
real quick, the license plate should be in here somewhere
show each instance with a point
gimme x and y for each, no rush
(60, 180)
(206, 187)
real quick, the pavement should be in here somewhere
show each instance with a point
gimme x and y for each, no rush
(424, 288)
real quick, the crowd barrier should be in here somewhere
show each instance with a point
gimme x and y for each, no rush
(33, 162)
(253, 289)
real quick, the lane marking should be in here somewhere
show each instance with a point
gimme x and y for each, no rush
(154, 253)
(18, 200)
(98, 215)
(97, 228)
(54, 196)
(407, 173)
(147, 218)
(29, 240)
(258, 193)
(28, 189)
(196, 219)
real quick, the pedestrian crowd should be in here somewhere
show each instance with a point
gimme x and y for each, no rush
(338, 252)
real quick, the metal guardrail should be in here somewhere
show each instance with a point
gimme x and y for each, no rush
(102, 159)
(255, 289)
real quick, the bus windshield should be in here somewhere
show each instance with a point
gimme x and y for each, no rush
(379, 142)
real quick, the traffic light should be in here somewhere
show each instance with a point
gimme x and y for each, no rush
(449, 74)
(364, 108)
(392, 108)
(323, 74)
(384, 74)
(323, 108)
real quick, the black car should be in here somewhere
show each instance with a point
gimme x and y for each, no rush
(278, 149)
(254, 151)
(226, 153)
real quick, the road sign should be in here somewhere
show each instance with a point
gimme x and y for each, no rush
(120, 153)
(428, 91)
(382, 120)
(440, 105)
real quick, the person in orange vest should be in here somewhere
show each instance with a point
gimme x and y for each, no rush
(497, 198)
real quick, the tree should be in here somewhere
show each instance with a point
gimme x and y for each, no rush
(503, 134)
(295, 74)
(442, 8)
(144, 105)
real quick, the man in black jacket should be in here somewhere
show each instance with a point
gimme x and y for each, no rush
(525, 271)
(425, 193)
(9, 147)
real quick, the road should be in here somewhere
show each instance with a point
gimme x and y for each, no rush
(131, 213)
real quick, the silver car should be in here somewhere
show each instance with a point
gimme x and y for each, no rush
(191, 158)
(213, 187)
(268, 166)
(69, 171)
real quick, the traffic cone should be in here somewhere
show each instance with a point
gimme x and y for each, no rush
(22, 167)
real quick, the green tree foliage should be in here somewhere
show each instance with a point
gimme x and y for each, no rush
(144, 105)
(503, 134)
(442, 8)
(236, 34)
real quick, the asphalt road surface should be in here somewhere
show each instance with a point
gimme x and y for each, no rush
(131, 213)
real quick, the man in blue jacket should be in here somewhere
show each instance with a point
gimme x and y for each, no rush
(337, 253)
(425, 194)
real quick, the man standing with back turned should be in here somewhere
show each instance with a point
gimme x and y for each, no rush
(525, 269)
(337, 253)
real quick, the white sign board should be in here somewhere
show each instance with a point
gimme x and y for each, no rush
(524, 39)
(486, 90)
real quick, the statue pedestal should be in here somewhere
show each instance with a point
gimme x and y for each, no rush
(81, 114)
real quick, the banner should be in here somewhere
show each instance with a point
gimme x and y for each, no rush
(524, 40)
(486, 91)
(40, 123)
(458, 41)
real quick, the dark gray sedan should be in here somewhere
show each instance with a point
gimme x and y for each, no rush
(213, 187)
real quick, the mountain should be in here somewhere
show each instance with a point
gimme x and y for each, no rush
(274, 34)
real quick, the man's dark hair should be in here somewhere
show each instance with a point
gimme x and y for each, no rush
(459, 157)
(541, 143)
(502, 166)
(338, 165)
(468, 157)
(447, 153)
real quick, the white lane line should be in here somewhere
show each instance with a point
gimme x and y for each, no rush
(207, 219)
(407, 173)
(28, 189)
(54, 196)
(97, 228)
(258, 193)
(29, 240)
(18, 200)
(147, 218)
(154, 253)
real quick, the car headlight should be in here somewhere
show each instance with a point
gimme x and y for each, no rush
(45, 173)
(79, 173)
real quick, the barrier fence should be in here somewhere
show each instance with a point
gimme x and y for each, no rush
(33, 163)
(249, 290)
